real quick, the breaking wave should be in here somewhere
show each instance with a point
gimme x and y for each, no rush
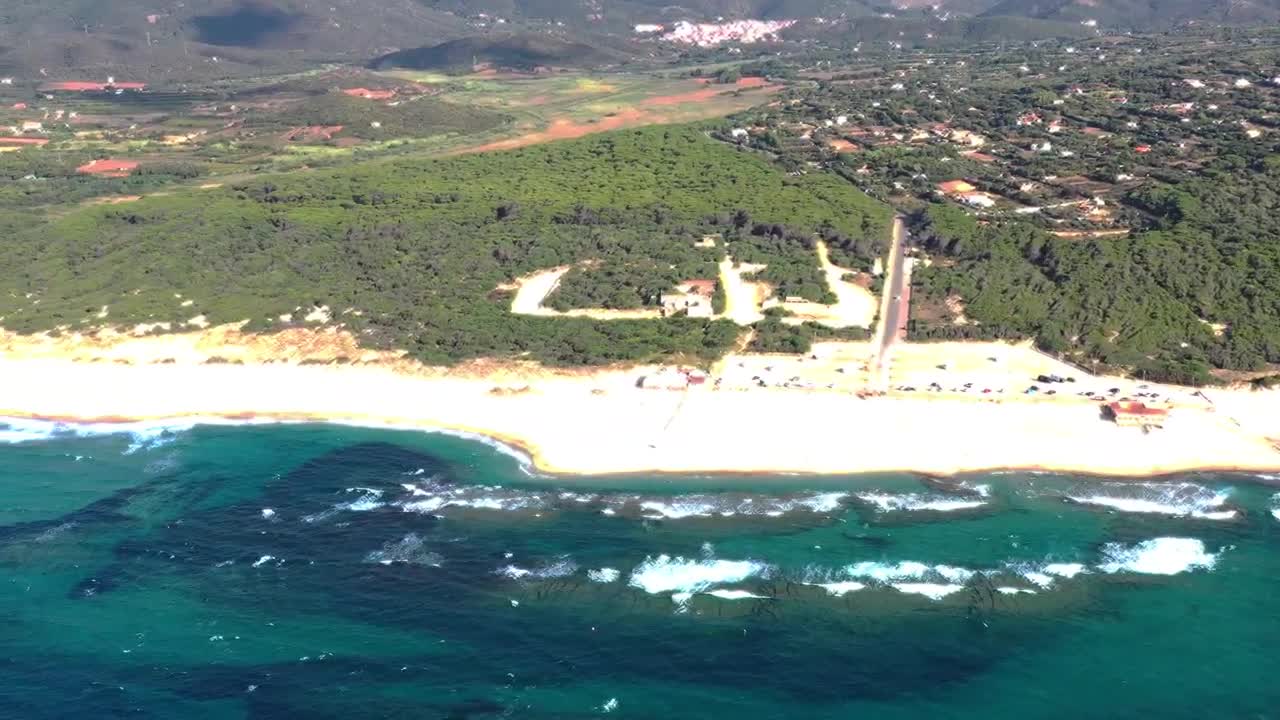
(1275, 506)
(933, 591)
(433, 496)
(1045, 575)
(677, 575)
(885, 502)
(366, 499)
(727, 505)
(841, 588)
(410, 549)
(142, 435)
(561, 567)
(1176, 500)
(603, 575)
(932, 581)
(1159, 556)
(735, 595)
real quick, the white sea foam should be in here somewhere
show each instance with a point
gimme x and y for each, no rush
(735, 595)
(678, 509)
(841, 588)
(886, 573)
(1176, 499)
(667, 574)
(1065, 570)
(411, 549)
(1275, 506)
(561, 567)
(933, 591)
(366, 499)
(705, 506)
(886, 502)
(1159, 556)
(263, 560)
(1045, 575)
(268, 514)
(142, 435)
(432, 497)
(603, 575)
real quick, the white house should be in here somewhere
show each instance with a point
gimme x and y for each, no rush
(977, 199)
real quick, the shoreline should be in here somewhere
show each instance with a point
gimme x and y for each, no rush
(528, 457)
(951, 408)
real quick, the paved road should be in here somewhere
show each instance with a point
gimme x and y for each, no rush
(895, 303)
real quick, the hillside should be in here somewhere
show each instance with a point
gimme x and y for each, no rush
(152, 40)
(520, 51)
(931, 30)
(1136, 15)
(141, 39)
(410, 254)
(1143, 15)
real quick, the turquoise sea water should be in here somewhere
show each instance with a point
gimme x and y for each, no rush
(323, 571)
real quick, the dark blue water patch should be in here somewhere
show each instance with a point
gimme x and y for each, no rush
(106, 511)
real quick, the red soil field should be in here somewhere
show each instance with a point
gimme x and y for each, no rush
(368, 94)
(108, 168)
(564, 129)
(706, 93)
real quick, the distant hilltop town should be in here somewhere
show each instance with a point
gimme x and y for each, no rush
(712, 34)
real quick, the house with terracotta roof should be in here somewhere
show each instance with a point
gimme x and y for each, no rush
(955, 187)
(1131, 413)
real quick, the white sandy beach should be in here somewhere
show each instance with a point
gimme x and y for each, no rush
(600, 422)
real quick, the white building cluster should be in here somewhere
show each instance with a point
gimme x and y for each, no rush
(711, 34)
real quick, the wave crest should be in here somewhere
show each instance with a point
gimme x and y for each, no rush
(1175, 500)
(1158, 556)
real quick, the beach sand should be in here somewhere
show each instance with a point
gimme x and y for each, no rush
(599, 422)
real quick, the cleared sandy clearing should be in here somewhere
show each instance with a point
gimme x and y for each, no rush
(743, 298)
(533, 290)
(855, 305)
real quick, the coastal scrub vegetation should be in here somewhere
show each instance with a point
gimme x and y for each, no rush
(1201, 289)
(409, 253)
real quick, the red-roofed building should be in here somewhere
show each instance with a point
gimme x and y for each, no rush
(108, 168)
(1130, 413)
(23, 141)
(956, 187)
(1143, 149)
(705, 288)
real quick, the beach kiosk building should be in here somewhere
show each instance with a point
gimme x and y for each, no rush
(1130, 413)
